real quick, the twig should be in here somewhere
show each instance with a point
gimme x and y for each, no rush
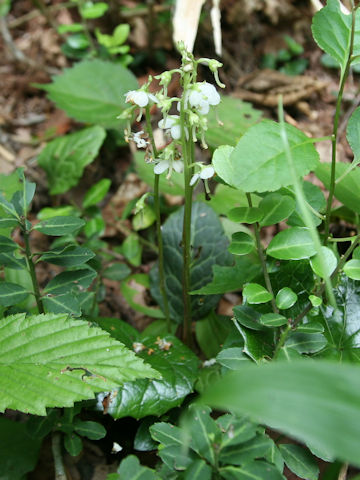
(58, 460)
(17, 22)
(343, 471)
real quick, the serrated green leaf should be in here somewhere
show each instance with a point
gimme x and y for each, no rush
(69, 257)
(66, 281)
(99, 101)
(258, 470)
(300, 461)
(273, 320)
(245, 215)
(294, 243)
(58, 361)
(352, 269)
(346, 190)
(209, 245)
(96, 193)
(255, 293)
(285, 298)
(58, 226)
(18, 451)
(275, 208)
(89, 429)
(65, 158)
(255, 166)
(64, 303)
(241, 243)
(178, 367)
(11, 294)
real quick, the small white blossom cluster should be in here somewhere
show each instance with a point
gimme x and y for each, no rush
(190, 123)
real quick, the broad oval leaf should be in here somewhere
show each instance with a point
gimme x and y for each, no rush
(58, 226)
(275, 208)
(273, 320)
(93, 91)
(257, 470)
(300, 461)
(96, 193)
(285, 298)
(255, 166)
(232, 358)
(11, 294)
(7, 245)
(324, 262)
(67, 281)
(178, 367)
(294, 243)
(304, 385)
(241, 243)
(255, 293)
(69, 257)
(352, 269)
(59, 361)
(65, 158)
(306, 342)
(245, 215)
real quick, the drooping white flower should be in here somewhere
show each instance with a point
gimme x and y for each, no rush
(140, 98)
(171, 124)
(201, 96)
(206, 172)
(140, 142)
(168, 164)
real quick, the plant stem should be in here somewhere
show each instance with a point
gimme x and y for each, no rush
(282, 340)
(262, 258)
(58, 460)
(343, 79)
(158, 225)
(31, 268)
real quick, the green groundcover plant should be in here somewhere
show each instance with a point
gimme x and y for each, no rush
(278, 384)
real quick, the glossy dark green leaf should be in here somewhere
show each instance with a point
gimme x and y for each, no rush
(11, 294)
(241, 243)
(73, 444)
(294, 243)
(209, 245)
(66, 281)
(198, 470)
(248, 317)
(119, 330)
(255, 293)
(18, 451)
(143, 441)
(324, 262)
(96, 193)
(245, 215)
(232, 358)
(65, 158)
(258, 470)
(58, 226)
(299, 411)
(117, 271)
(300, 461)
(306, 342)
(7, 245)
(89, 429)
(255, 166)
(69, 257)
(257, 344)
(273, 320)
(178, 367)
(203, 431)
(275, 208)
(352, 269)
(8, 222)
(229, 279)
(64, 303)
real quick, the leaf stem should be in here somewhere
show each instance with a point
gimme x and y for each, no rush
(262, 258)
(282, 340)
(343, 78)
(58, 460)
(31, 269)
(158, 224)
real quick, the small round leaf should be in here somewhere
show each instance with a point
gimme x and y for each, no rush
(294, 243)
(352, 269)
(256, 293)
(241, 243)
(273, 320)
(285, 298)
(324, 265)
(245, 215)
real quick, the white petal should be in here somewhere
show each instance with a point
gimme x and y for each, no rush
(204, 108)
(194, 179)
(210, 92)
(175, 132)
(152, 98)
(207, 172)
(140, 98)
(168, 122)
(195, 98)
(161, 167)
(178, 166)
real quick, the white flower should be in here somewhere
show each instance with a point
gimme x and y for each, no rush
(206, 172)
(170, 165)
(140, 98)
(140, 142)
(202, 95)
(171, 124)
